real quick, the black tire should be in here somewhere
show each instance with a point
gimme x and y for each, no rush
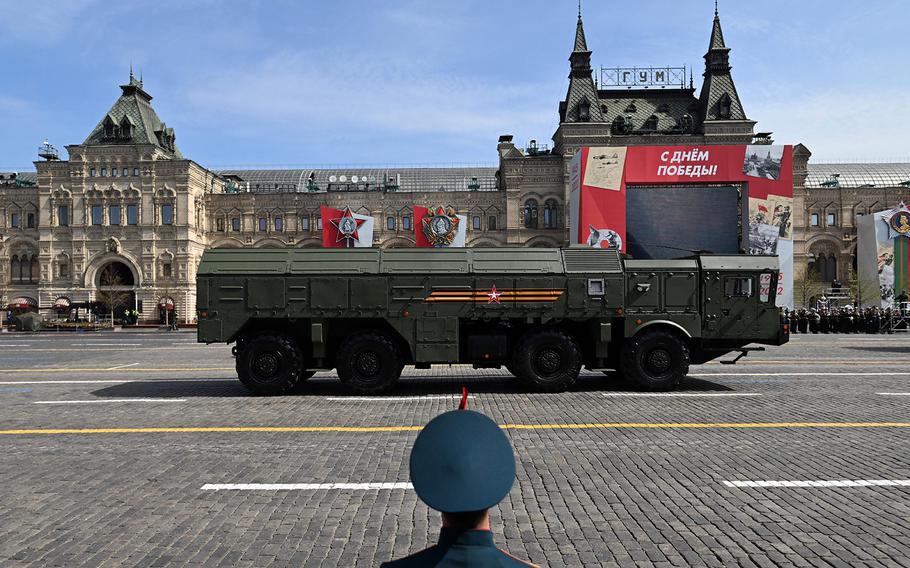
(369, 363)
(656, 360)
(547, 360)
(270, 364)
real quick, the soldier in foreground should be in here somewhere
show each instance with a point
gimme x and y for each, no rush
(462, 465)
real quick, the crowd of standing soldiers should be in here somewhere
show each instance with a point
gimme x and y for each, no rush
(846, 320)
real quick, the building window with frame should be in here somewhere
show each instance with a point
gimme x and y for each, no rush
(491, 222)
(305, 223)
(30, 221)
(113, 172)
(550, 219)
(390, 223)
(279, 223)
(406, 222)
(92, 172)
(530, 214)
(132, 214)
(166, 270)
(113, 214)
(235, 224)
(831, 220)
(97, 215)
(475, 222)
(263, 224)
(103, 172)
(14, 221)
(813, 220)
(167, 214)
(319, 223)
(63, 216)
(135, 172)
(63, 270)
(219, 225)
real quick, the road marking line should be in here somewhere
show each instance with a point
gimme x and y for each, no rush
(830, 483)
(122, 366)
(114, 381)
(820, 374)
(303, 486)
(103, 370)
(677, 394)
(110, 400)
(94, 344)
(22, 345)
(394, 398)
(148, 348)
(7, 389)
(893, 393)
(598, 426)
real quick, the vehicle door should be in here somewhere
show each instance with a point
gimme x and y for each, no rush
(737, 316)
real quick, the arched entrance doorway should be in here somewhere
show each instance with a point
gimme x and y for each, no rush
(115, 284)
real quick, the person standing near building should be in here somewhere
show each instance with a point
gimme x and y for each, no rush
(462, 465)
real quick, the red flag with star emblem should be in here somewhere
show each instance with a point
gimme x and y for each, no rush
(342, 228)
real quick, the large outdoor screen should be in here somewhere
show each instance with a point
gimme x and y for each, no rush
(675, 222)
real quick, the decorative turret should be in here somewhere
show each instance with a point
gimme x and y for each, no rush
(719, 100)
(582, 103)
(132, 120)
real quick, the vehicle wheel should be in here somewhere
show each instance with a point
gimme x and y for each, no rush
(656, 360)
(270, 365)
(547, 360)
(369, 363)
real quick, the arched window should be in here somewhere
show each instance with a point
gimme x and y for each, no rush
(110, 129)
(619, 125)
(821, 266)
(126, 131)
(550, 214)
(530, 214)
(14, 267)
(35, 273)
(584, 110)
(651, 123)
(724, 106)
(831, 273)
(685, 123)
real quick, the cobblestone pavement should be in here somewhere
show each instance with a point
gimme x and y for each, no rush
(605, 477)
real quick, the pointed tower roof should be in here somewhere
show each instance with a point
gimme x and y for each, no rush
(582, 103)
(581, 45)
(717, 34)
(132, 120)
(719, 99)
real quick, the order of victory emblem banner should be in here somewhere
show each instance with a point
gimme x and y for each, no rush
(899, 222)
(439, 227)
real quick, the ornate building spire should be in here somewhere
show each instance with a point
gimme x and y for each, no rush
(582, 103)
(719, 99)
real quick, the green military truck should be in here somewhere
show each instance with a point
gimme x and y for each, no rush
(540, 313)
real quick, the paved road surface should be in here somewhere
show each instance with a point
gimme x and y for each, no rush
(114, 447)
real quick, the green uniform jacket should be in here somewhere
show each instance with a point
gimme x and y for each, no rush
(457, 549)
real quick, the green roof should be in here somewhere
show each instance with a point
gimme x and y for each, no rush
(134, 105)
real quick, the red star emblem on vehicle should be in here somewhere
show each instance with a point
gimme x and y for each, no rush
(493, 296)
(347, 226)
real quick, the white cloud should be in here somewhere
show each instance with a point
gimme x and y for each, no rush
(849, 125)
(41, 22)
(334, 90)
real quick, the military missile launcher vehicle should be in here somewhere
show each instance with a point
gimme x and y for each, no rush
(540, 313)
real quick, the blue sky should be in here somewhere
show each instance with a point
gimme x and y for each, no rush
(284, 83)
